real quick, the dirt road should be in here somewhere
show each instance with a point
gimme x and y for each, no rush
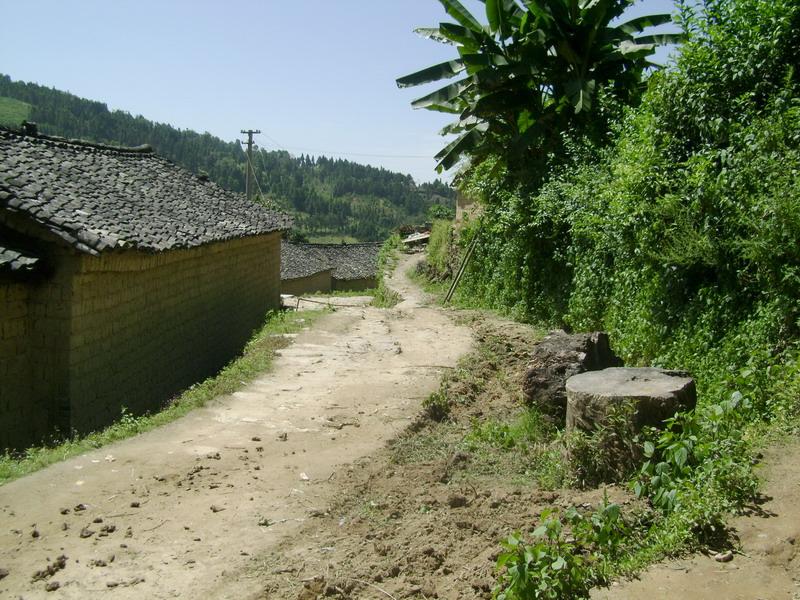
(182, 511)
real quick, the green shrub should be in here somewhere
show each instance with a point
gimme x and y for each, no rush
(680, 238)
(440, 249)
(567, 557)
(436, 406)
(703, 444)
(387, 260)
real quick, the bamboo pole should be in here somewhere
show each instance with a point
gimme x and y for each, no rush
(462, 268)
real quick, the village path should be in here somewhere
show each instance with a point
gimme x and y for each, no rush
(184, 511)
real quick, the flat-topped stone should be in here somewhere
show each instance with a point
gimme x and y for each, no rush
(655, 395)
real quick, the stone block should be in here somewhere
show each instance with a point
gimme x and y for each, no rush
(653, 394)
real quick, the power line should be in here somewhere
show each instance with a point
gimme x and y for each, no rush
(248, 175)
(255, 178)
(329, 152)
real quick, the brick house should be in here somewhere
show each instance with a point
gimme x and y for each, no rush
(307, 268)
(124, 279)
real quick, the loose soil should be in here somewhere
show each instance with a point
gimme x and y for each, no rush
(422, 518)
(322, 479)
(764, 564)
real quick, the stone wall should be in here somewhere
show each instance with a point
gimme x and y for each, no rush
(318, 282)
(129, 330)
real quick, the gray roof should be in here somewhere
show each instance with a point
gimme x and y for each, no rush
(352, 261)
(98, 197)
(11, 260)
(346, 261)
(301, 260)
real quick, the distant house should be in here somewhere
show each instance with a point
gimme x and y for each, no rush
(123, 280)
(308, 268)
(304, 270)
(355, 266)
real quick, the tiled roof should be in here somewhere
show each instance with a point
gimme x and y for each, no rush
(352, 261)
(99, 197)
(346, 261)
(301, 260)
(11, 260)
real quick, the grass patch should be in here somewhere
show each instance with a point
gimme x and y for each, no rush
(434, 442)
(522, 446)
(507, 440)
(256, 358)
(438, 289)
(13, 112)
(387, 261)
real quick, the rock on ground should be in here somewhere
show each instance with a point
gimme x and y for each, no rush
(555, 359)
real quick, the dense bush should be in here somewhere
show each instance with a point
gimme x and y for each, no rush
(680, 238)
(441, 249)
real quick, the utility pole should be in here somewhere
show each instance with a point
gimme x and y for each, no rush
(248, 182)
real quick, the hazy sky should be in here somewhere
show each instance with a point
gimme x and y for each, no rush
(315, 76)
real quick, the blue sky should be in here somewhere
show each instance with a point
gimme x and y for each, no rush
(315, 76)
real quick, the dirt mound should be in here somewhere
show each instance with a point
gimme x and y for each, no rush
(424, 517)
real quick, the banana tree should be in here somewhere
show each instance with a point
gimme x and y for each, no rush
(533, 72)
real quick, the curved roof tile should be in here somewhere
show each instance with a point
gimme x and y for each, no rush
(352, 261)
(12, 260)
(301, 260)
(99, 197)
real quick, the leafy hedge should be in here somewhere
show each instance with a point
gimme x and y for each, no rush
(681, 239)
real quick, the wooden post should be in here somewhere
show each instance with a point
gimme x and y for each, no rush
(248, 181)
(462, 268)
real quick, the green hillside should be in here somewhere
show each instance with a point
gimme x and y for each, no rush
(13, 112)
(329, 197)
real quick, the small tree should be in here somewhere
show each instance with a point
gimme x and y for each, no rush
(438, 211)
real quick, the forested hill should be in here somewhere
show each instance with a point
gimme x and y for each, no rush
(329, 197)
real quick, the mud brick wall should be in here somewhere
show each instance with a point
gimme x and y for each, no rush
(318, 282)
(16, 411)
(128, 329)
(145, 327)
(354, 285)
(34, 324)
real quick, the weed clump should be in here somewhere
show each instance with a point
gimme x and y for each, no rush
(387, 260)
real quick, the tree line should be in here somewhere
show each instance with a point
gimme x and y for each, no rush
(327, 196)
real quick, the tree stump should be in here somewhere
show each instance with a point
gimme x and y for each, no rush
(554, 360)
(653, 396)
